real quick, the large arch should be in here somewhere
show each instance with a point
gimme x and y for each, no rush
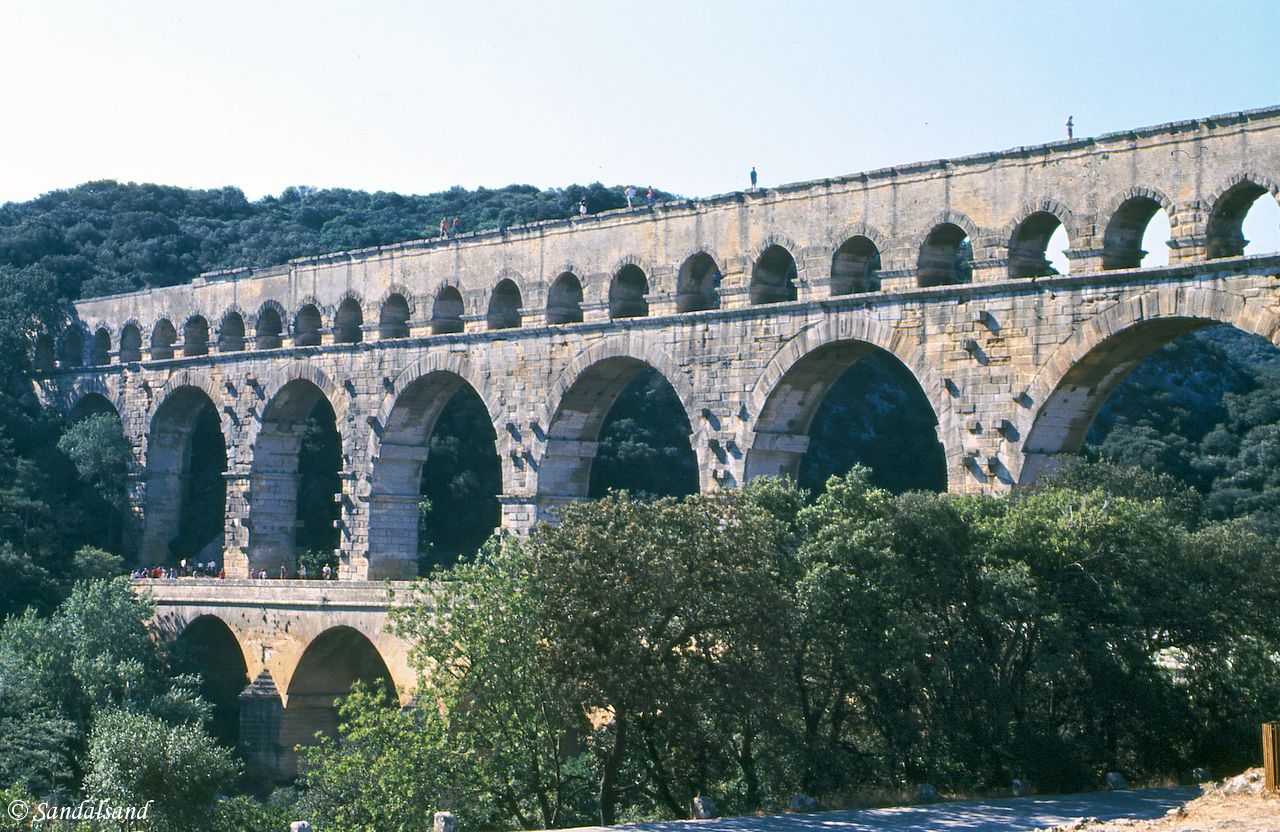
(400, 453)
(296, 402)
(186, 459)
(208, 646)
(330, 665)
(578, 404)
(1077, 379)
(795, 382)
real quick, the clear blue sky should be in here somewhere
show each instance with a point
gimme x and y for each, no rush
(417, 96)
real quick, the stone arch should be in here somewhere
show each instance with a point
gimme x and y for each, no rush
(564, 300)
(788, 392)
(1127, 217)
(854, 264)
(329, 666)
(775, 272)
(209, 646)
(89, 387)
(393, 316)
(231, 331)
(176, 479)
(195, 336)
(579, 401)
(71, 353)
(44, 353)
(301, 372)
(308, 324)
(130, 342)
(163, 337)
(1028, 237)
(100, 349)
(628, 291)
(403, 427)
(505, 302)
(1226, 210)
(348, 320)
(936, 263)
(447, 310)
(1072, 385)
(268, 326)
(698, 282)
(199, 380)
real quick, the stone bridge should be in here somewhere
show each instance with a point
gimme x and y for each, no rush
(750, 305)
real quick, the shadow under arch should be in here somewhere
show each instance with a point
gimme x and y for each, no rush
(1076, 381)
(208, 646)
(186, 459)
(404, 461)
(330, 665)
(790, 401)
(577, 411)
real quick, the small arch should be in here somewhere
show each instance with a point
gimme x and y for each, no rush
(627, 293)
(306, 326)
(100, 352)
(1224, 233)
(564, 300)
(855, 266)
(348, 323)
(231, 332)
(1029, 253)
(504, 306)
(393, 319)
(446, 312)
(44, 355)
(1123, 238)
(268, 334)
(72, 348)
(773, 278)
(163, 336)
(130, 344)
(195, 336)
(946, 257)
(698, 283)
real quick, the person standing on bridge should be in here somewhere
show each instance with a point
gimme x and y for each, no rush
(753, 177)
(444, 228)
(649, 197)
(630, 194)
(582, 207)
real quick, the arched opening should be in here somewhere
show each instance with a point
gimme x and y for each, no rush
(96, 446)
(436, 479)
(698, 284)
(773, 280)
(1226, 233)
(269, 332)
(186, 487)
(207, 647)
(1030, 251)
(100, 353)
(306, 326)
(393, 320)
(645, 420)
(1136, 235)
(44, 354)
(295, 482)
(163, 336)
(348, 323)
(231, 333)
(946, 257)
(130, 344)
(849, 403)
(627, 293)
(564, 300)
(72, 348)
(446, 312)
(329, 667)
(855, 267)
(195, 336)
(504, 306)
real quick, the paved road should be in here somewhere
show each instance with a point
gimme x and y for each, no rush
(1018, 814)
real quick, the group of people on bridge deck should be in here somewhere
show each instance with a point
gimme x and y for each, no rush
(450, 229)
(182, 570)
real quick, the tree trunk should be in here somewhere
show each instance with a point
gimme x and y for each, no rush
(609, 774)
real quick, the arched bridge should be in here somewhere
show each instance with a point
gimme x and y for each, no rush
(750, 305)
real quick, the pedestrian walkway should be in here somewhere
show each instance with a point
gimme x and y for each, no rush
(1017, 814)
